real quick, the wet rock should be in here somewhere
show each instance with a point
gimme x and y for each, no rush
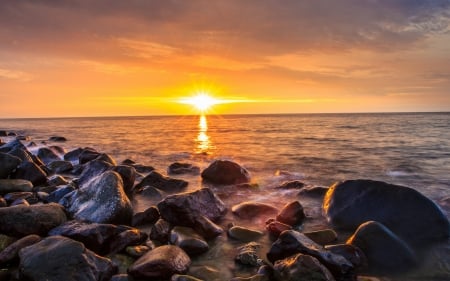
(12, 145)
(57, 139)
(12, 251)
(247, 254)
(322, 237)
(292, 214)
(384, 250)
(296, 184)
(19, 202)
(151, 192)
(47, 155)
(301, 268)
(163, 183)
(291, 242)
(31, 172)
(137, 251)
(59, 193)
(22, 154)
(60, 166)
(405, 211)
(244, 234)
(275, 228)
(93, 169)
(88, 154)
(160, 231)
(225, 172)
(14, 185)
(315, 192)
(178, 168)
(5, 241)
(206, 228)
(58, 149)
(13, 196)
(73, 155)
(3, 202)
(57, 180)
(250, 210)
(184, 209)
(128, 237)
(106, 158)
(35, 219)
(101, 200)
(59, 258)
(188, 240)
(8, 163)
(352, 253)
(162, 262)
(179, 277)
(128, 175)
(150, 215)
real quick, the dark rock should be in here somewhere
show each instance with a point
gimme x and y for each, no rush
(47, 155)
(184, 209)
(59, 193)
(352, 253)
(128, 162)
(30, 171)
(247, 254)
(143, 169)
(73, 155)
(60, 166)
(296, 184)
(180, 277)
(3, 133)
(225, 172)
(106, 158)
(160, 231)
(59, 258)
(250, 210)
(292, 214)
(57, 180)
(137, 251)
(102, 200)
(13, 196)
(92, 170)
(183, 168)
(291, 242)
(14, 185)
(206, 228)
(161, 182)
(22, 154)
(87, 155)
(405, 211)
(151, 192)
(275, 228)
(12, 134)
(23, 138)
(162, 262)
(19, 202)
(12, 145)
(128, 175)
(5, 241)
(128, 237)
(301, 268)
(150, 215)
(244, 234)
(316, 191)
(58, 149)
(188, 240)
(384, 250)
(322, 237)
(8, 163)
(12, 251)
(34, 219)
(121, 277)
(57, 139)
(3, 202)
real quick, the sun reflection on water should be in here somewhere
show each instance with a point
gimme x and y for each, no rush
(203, 142)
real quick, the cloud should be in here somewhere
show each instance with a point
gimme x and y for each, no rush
(15, 75)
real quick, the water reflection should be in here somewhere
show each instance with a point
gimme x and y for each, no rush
(203, 142)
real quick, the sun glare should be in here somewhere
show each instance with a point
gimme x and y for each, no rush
(201, 101)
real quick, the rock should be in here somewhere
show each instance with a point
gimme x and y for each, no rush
(12, 251)
(178, 168)
(160, 231)
(250, 210)
(12, 145)
(225, 172)
(14, 185)
(22, 154)
(5, 241)
(163, 183)
(291, 242)
(188, 240)
(296, 184)
(60, 166)
(30, 171)
(8, 164)
(87, 155)
(3, 133)
(275, 228)
(106, 158)
(247, 254)
(57, 180)
(57, 139)
(128, 237)
(59, 258)
(128, 175)
(184, 209)
(47, 155)
(384, 250)
(405, 211)
(162, 262)
(13, 196)
(244, 234)
(206, 228)
(93, 169)
(322, 237)
(292, 214)
(151, 192)
(179, 277)
(150, 215)
(35, 219)
(3, 202)
(59, 193)
(301, 268)
(19, 202)
(315, 192)
(121, 277)
(137, 251)
(73, 155)
(100, 200)
(352, 253)
(58, 149)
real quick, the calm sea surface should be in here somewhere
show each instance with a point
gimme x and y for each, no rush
(411, 149)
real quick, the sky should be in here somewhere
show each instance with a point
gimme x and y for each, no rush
(114, 58)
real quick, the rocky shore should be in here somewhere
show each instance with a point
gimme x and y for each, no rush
(70, 216)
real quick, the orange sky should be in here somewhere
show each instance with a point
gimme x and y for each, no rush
(78, 58)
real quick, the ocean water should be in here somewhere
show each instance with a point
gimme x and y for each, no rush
(411, 149)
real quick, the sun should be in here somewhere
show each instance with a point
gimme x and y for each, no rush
(201, 101)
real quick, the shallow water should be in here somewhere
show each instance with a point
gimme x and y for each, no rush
(408, 149)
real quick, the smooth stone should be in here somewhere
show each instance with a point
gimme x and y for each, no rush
(406, 212)
(250, 210)
(92, 170)
(178, 168)
(8, 163)
(88, 154)
(149, 216)
(14, 185)
(244, 234)
(101, 200)
(106, 158)
(22, 154)
(296, 184)
(291, 214)
(31, 172)
(12, 251)
(184, 209)
(163, 183)
(160, 231)
(60, 166)
(57, 180)
(314, 192)
(128, 175)
(59, 258)
(301, 267)
(275, 228)
(384, 250)
(187, 239)
(291, 242)
(352, 253)
(322, 237)
(180, 277)
(225, 172)
(161, 262)
(137, 251)
(59, 193)
(35, 219)
(206, 228)
(73, 155)
(57, 139)
(47, 155)
(247, 254)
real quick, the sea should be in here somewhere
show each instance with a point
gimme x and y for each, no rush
(410, 149)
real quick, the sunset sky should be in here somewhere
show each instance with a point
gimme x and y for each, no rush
(115, 57)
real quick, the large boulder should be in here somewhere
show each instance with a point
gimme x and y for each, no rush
(301, 268)
(225, 172)
(184, 209)
(8, 163)
(93, 169)
(384, 250)
(100, 200)
(14, 185)
(405, 211)
(32, 172)
(34, 219)
(58, 258)
(164, 183)
(161, 263)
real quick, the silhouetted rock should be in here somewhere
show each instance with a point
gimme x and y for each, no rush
(301, 268)
(31, 172)
(292, 214)
(8, 163)
(182, 168)
(315, 192)
(14, 185)
(164, 183)
(188, 240)
(225, 172)
(57, 139)
(250, 210)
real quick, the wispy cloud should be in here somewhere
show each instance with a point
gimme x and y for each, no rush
(15, 75)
